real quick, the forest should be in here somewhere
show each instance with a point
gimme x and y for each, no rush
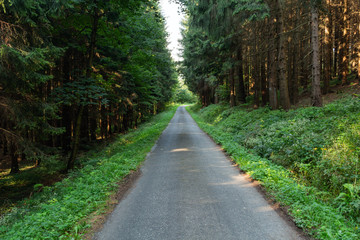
(278, 84)
(270, 52)
(75, 72)
(85, 87)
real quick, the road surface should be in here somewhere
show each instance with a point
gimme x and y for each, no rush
(190, 190)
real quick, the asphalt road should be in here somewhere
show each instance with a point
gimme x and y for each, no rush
(190, 190)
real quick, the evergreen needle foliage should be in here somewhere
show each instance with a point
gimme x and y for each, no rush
(269, 51)
(76, 71)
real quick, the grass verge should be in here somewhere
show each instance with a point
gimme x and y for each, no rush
(58, 212)
(310, 212)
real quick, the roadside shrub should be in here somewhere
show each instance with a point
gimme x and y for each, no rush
(348, 202)
(340, 162)
(212, 112)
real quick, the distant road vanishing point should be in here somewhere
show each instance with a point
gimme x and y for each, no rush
(189, 190)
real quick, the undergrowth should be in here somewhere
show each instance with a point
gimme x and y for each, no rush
(58, 212)
(13, 187)
(307, 158)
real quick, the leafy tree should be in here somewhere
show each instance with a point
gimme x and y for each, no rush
(183, 95)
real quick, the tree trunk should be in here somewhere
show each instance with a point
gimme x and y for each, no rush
(304, 72)
(14, 160)
(273, 98)
(344, 44)
(256, 71)
(84, 133)
(295, 60)
(93, 123)
(241, 96)
(337, 39)
(264, 88)
(103, 122)
(284, 89)
(76, 139)
(328, 52)
(108, 125)
(272, 65)
(290, 61)
(247, 75)
(232, 87)
(5, 147)
(316, 99)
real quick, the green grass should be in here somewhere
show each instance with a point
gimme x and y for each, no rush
(288, 152)
(59, 211)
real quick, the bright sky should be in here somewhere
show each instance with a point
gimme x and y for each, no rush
(173, 18)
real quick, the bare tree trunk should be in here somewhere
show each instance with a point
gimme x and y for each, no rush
(283, 83)
(328, 52)
(272, 53)
(273, 99)
(256, 72)
(92, 122)
(232, 87)
(103, 122)
(357, 48)
(295, 63)
(247, 73)
(264, 88)
(336, 43)
(14, 159)
(290, 73)
(316, 99)
(5, 147)
(241, 95)
(108, 121)
(76, 140)
(272, 66)
(344, 44)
